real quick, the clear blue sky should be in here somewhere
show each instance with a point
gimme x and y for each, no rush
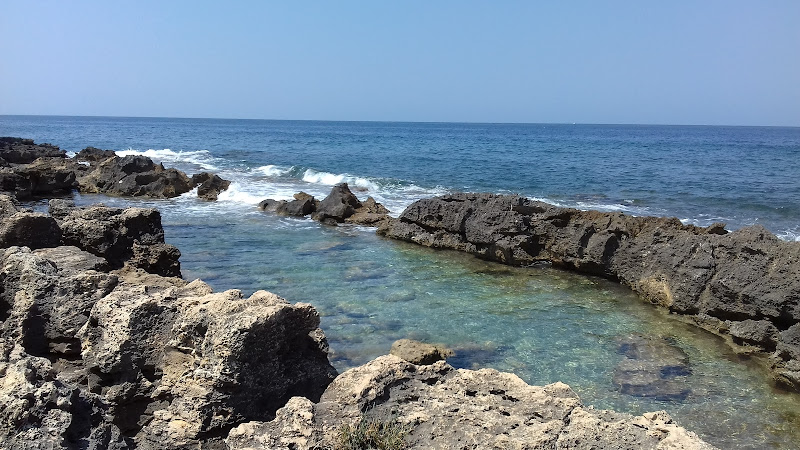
(666, 62)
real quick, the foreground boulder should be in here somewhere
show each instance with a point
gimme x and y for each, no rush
(719, 278)
(436, 406)
(134, 360)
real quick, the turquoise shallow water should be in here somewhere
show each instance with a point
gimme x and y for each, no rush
(542, 324)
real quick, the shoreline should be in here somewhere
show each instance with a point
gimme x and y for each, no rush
(104, 345)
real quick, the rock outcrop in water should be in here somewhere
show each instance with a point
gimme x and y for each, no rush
(436, 406)
(746, 282)
(340, 206)
(29, 170)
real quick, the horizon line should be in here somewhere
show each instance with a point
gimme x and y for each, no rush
(403, 121)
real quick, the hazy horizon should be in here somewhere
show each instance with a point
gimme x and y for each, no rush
(715, 63)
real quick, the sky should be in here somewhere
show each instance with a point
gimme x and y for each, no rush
(676, 62)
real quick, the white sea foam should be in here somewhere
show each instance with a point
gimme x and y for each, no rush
(330, 179)
(199, 158)
(271, 170)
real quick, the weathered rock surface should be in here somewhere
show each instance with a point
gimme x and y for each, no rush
(135, 360)
(748, 274)
(341, 205)
(454, 409)
(34, 230)
(209, 185)
(417, 352)
(132, 235)
(25, 151)
(41, 170)
(134, 176)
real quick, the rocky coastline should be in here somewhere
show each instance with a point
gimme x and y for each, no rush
(104, 345)
(743, 285)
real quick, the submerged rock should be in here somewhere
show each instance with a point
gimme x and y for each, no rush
(436, 406)
(652, 368)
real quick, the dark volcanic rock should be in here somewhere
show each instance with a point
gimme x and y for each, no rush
(25, 151)
(371, 213)
(134, 176)
(209, 185)
(748, 274)
(338, 205)
(92, 154)
(302, 205)
(132, 235)
(270, 204)
(761, 333)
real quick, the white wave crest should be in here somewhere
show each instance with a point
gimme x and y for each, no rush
(271, 170)
(239, 194)
(330, 179)
(200, 158)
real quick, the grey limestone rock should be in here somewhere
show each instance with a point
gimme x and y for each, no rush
(450, 408)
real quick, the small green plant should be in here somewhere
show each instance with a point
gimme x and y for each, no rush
(373, 433)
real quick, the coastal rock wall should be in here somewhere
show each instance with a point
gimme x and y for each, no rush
(745, 283)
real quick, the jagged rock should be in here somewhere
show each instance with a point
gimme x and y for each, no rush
(25, 151)
(132, 235)
(210, 354)
(34, 230)
(761, 333)
(417, 352)
(337, 206)
(371, 213)
(40, 411)
(453, 409)
(92, 154)
(47, 303)
(652, 368)
(8, 206)
(748, 274)
(270, 204)
(134, 176)
(209, 185)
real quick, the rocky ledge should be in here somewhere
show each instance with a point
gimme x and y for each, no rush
(744, 285)
(436, 406)
(29, 170)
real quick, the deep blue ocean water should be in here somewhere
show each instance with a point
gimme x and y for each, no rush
(542, 324)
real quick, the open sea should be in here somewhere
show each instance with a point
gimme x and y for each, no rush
(542, 324)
